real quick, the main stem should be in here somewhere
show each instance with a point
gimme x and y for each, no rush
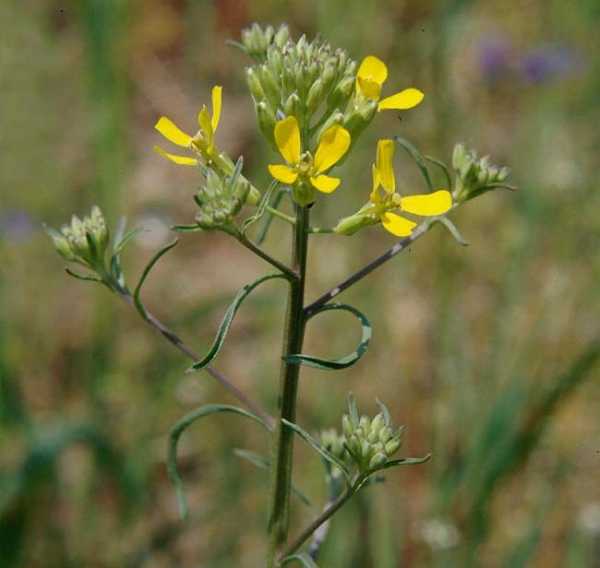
(281, 468)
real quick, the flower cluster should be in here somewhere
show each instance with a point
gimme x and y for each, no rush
(221, 199)
(371, 442)
(83, 241)
(366, 443)
(296, 79)
(475, 175)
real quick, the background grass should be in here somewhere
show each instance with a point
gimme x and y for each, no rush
(487, 354)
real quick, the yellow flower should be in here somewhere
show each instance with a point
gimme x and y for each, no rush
(334, 143)
(370, 78)
(204, 140)
(425, 205)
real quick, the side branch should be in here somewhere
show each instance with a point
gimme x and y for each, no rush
(175, 340)
(354, 278)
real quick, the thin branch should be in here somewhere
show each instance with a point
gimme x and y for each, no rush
(174, 339)
(327, 513)
(287, 218)
(286, 270)
(359, 275)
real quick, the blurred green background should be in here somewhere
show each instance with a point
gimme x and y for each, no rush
(487, 353)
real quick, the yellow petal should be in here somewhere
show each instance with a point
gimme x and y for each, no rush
(284, 174)
(384, 164)
(217, 97)
(325, 184)
(369, 89)
(172, 133)
(205, 124)
(376, 178)
(287, 138)
(397, 225)
(403, 100)
(374, 69)
(334, 143)
(428, 204)
(180, 160)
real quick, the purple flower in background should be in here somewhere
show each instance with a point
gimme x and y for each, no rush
(549, 62)
(15, 225)
(494, 58)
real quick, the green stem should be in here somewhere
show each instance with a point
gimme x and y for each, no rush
(291, 274)
(322, 518)
(281, 215)
(281, 469)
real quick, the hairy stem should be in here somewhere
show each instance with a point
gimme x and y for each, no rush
(281, 468)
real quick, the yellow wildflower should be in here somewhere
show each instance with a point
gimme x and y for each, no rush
(425, 205)
(204, 140)
(370, 78)
(334, 143)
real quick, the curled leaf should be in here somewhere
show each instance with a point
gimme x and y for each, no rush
(342, 362)
(181, 426)
(228, 319)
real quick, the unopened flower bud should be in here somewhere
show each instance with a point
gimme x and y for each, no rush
(392, 446)
(341, 93)
(314, 97)
(266, 121)
(293, 106)
(377, 424)
(347, 425)
(282, 36)
(365, 449)
(269, 85)
(385, 434)
(61, 244)
(254, 85)
(377, 460)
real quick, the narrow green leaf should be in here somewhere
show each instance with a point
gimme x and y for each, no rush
(452, 229)
(303, 559)
(181, 426)
(353, 409)
(405, 461)
(386, 413)
(122, 242)
(418, 158)
(264, 463)
(260, 210)
(314, 444)
(342, 362)
(228, 319)
(136, 294)
(255, 459)
(186, 228)
(82, 276)
(445, 171)
(268, 218)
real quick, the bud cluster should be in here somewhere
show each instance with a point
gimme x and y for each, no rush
(221, 199)
(371, 442)
(365, 442)
(84, 241)
(297, 78)
(475, 175)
